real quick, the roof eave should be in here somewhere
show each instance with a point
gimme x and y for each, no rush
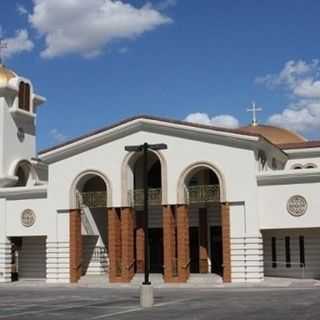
(108, 134)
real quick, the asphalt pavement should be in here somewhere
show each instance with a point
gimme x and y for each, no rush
(48, 303)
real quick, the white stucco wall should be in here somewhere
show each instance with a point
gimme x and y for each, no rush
(273, 206)
(237, 166)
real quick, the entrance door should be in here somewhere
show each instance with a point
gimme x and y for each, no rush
(194, 249)
(156, 250)
(32, 258)
(216, 250)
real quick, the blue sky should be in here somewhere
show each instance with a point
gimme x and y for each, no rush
(166, 58)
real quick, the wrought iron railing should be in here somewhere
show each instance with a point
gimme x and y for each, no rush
(96, 199)
(203, 194)
(136, 197)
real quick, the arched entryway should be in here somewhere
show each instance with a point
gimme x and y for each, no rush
(205, 232)
(89, 250)
(136, 195)
(201, 189)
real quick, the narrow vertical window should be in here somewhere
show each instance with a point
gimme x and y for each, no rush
(274, 252)
(288, 254)
(24, 96)
(21, 95)
(302, 253)
(27, 97)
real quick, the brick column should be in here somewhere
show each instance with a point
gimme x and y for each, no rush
(225, 222)
(127, 242)
(114, 244)
(203, 240)
(75, 245)
(183, 242)
(169, 245)
(139, 235)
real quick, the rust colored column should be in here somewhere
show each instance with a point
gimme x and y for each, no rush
(226, 245)
(169, 245)
(182, 218)
(139, 234)
(127, 241)
(75, 239)
(114, 244)
(203, 240)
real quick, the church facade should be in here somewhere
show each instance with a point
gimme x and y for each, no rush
(239, 204)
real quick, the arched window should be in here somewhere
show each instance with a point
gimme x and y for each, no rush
(24, 96)
(23, 172)
(309, 166)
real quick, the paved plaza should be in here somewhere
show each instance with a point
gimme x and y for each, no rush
(45, 302)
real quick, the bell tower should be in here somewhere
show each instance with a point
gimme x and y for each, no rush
(18, 113)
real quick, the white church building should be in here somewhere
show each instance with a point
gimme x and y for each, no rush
(238, 204)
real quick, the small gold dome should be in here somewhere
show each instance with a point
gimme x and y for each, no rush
(274, 134)
(5, 75)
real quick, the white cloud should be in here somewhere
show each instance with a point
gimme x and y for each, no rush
(17, 44)
(224, 121)
(21, 9)
(291, 75)
(87, 27)
(302, 81)
(308, 88)
(57, 136)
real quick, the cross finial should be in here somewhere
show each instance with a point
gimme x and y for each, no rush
(254, 111)
(3, 46)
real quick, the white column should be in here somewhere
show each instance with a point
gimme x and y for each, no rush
(58, 248)
(58, 262)
(246, 247)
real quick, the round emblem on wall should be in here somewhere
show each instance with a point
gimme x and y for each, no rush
(28, 218)
(297, 206)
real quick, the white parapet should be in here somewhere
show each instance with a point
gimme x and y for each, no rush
(58, 270)
(247, 259)
(5, 261)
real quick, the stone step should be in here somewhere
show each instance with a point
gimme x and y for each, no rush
(205, 278)
(94, 279)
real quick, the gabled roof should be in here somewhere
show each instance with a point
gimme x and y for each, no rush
(162, 125)
(146, 117)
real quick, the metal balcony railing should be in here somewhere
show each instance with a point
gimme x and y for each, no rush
(203, 194)
(97, 199)
(136, 197)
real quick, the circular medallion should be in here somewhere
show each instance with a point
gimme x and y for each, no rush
(28, 218)
(297, 206)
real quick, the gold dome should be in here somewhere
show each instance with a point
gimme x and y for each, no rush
(5, 75)
(274, 134)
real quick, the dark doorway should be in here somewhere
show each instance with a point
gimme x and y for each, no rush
(216, 250)
(15, 249)
(194, 249)
(156, 250)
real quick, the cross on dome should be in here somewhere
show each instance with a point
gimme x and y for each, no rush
(254, 109)
(3, 46)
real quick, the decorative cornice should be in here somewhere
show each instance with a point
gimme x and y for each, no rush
(299, 176)
(23, 192)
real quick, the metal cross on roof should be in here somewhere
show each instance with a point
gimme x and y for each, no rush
(3, 46)
(254, 109)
